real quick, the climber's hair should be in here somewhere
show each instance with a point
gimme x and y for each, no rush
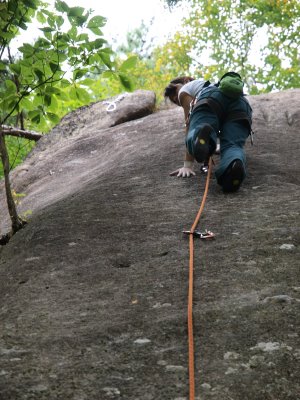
(170, 90)
(183, 80)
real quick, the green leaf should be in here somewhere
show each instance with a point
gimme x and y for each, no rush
(95, 24)
(129, 63)
(59, 21)
(26, 63)
(40, 75)
(126, 81)
(94, 59)
(3, 66)
(98, 43)
(27, 75)
(73, 94)
(83, 95)
(65, 83)
(53, 117)
(42, 43)
(96, 31)
(79, 73)
(37, 101)
(75, 11)
(81, 20)
(87, 82)
(8, 35)
(106, 59)
(47, 29)
(72, 32)
(61, 6)
(53, 90)
(36, 119)
(109, 74)
(53, 107)
(40, 17)
(63, 96)
(51, 20)
(62, 44)
(11, 87)
(54, 67)
(30, 3)
(22, 25)
(48, 36)
(34, 116)
(11, 103)
(26, 104)
(46, 12)
(15, 68)
(27, 50)
(83, 37)
(47, 100)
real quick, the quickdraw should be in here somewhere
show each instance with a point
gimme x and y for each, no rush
(201, 235)
(112, 105)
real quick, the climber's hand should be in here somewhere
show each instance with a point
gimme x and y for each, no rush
(183, 172)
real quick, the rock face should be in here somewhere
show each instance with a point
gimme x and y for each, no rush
(94, 289)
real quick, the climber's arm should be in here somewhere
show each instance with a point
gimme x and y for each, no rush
(187, 169)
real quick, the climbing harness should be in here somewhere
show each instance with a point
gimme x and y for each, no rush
(192, 233)
(217, 108)
(112, 105)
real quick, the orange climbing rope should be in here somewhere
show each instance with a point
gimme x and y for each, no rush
(191, 285)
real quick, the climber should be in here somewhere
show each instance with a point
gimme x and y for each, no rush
(211, 111)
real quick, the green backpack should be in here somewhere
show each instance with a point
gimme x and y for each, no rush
(231, 85)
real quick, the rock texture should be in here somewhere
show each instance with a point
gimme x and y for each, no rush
(94, 289)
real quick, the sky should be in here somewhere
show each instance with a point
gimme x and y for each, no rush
(124, 16)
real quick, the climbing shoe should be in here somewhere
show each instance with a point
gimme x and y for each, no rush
(202, 145)
(232, 177)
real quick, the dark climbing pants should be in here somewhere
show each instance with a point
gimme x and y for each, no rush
(230, 120)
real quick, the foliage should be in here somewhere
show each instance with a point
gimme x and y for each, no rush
(226, 35)
(17, 148)
(155, 66)
(54, 75)
(165, 62)
(221, 36)
(52, 69)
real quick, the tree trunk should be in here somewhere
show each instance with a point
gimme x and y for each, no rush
(16, 221)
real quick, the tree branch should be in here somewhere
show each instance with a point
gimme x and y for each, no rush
(10, 130)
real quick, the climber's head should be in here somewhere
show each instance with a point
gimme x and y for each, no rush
(171, 91)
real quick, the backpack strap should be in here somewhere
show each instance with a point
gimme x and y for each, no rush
(213, 105)
(194, 102)
(239, 115)
(206, 84)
